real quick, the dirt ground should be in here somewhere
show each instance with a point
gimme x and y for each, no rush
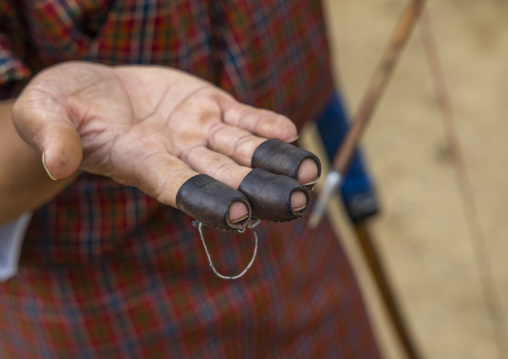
(435, 263)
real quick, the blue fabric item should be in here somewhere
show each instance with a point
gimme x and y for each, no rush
(358, 192)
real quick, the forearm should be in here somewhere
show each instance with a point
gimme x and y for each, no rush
(24, 184)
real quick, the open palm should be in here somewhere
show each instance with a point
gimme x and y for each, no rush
(147, 126)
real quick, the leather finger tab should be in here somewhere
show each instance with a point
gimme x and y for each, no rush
(208, 200)
(270, 195)
(282, 158)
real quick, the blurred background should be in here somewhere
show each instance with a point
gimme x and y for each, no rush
(422, 234)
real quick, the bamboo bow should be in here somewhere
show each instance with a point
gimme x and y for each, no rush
(344, 155)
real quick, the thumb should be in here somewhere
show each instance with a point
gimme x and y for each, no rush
(45, 125)
(61, 150)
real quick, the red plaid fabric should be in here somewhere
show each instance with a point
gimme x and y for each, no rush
(107, 272)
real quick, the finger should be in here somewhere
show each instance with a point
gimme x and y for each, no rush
(269, 195)
(216, 165)
(172, 182)
(263, 123)
(272, 155)
(285, 159)
(309, 172)
(44, 124)
(235, 143)
(288, 198)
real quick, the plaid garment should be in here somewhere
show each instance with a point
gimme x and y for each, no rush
(106, 271)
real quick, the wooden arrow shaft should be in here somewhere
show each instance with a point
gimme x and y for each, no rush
(345, 153)
(387, 294)
(378, 82)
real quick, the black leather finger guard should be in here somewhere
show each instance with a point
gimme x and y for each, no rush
(208, 200)
(282, 158)
(270, 195)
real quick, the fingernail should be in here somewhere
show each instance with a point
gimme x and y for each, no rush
(294, 139)
(298, 201)
(311, 183)
(308, 172)
(46, 168)
(238, 212)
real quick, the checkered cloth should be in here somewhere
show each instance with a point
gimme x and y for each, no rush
(106, 271)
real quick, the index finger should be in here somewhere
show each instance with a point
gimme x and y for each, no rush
(264, 123)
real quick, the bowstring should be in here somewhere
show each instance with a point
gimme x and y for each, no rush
(483, 262)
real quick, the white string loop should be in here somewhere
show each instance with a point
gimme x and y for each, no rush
(251, 226)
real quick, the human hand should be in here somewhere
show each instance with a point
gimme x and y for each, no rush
(150, 127)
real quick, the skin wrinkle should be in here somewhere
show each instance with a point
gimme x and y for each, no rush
(240, 152)
(34, 102)
(216, 172)
(186, 153)
(119, 72)
(185, 99)
(73, 109)
(159, 103)
(199, 121)
(212, 132)
(171, 173)
(180, 153)
(134, 129)
(74, 118)
(145, 91)
(241, 112)
(101, 146)
(157, 106)
(37, 134)
(158, 195)
(257, 119)
(214, 158)
(109, 152)
(240, 142)
(83, 91)
(218, 166)
(134, 122)
(167, 152)
(155, 192)
(86, 115)
(202, 137)
(122, 85)
(36, 88)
